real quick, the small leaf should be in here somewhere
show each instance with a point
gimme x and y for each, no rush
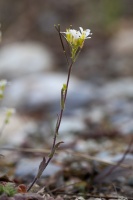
(62, 99)
(54, 149)
(64, 87)
(58, 144)
(9, 189)
(41, 167)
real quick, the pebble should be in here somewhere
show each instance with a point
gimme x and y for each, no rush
(19, 59)
(29, 167)
(122, 43)
(16, 131)
(122, 87)
(72, 125)
(87, 146)
(117, 97)
(40, 91)
(130, 181)
(121, 50)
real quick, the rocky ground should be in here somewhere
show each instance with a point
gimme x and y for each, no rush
(95, 161)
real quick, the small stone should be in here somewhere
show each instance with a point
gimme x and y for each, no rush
(43, 91)
(19, 59)
(29, 167)
(130, 181)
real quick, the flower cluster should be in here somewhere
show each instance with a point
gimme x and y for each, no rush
(3, 84)
(76, 39)
(9, 113)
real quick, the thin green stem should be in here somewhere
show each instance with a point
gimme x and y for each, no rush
(59, 119)
(65, 95)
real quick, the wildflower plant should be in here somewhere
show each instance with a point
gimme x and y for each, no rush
(8, 114)
(75, 40)
(9, 111)
(3, 84)
(8, 189)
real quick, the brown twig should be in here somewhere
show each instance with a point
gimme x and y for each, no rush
(118, 163)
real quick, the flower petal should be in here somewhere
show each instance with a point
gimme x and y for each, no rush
(81, 29)
(87, 32)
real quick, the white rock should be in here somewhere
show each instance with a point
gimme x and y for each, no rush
(122, 87)
(20, 59)
(29, 167)
(122, 42)
(107, 157)
(96, 114)
(16, 131)
(72, 124)
(121, 51)
(87, 146)
(41, 90)
(124, 126)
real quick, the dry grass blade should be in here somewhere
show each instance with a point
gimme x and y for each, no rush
(72, 153)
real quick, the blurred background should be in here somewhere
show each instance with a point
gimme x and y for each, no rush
(98, 118)
(32, 60)
(110, 22)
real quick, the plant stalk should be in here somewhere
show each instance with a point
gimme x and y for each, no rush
(59, 119)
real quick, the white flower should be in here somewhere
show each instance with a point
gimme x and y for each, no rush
(76, 38)
(3, 84)
(85, 33)
(9, 113)
(74, 33)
